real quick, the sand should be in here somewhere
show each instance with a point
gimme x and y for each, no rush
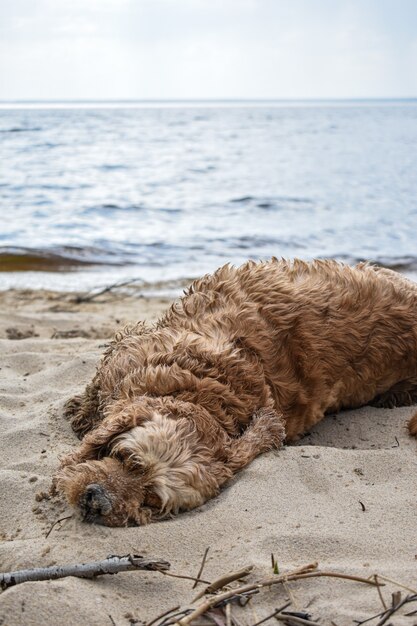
(303, 503)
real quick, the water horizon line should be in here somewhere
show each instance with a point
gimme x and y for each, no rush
(190, 102)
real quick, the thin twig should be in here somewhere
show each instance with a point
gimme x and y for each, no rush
(203, 562)
(89, 297)
(185, 577)
(358, 579)
(391, 611)
(170, 619)
(111, 565)
(243, 599)
(235, 621)
(175, 608)
(223, 581)
(290, 595)
(265, 619)
(228, 612)
(381, 597)
(368, 619)
(395, 582)
(294, 619)
(411, 613)
(217, 616)
(385, 615)
(57, 522)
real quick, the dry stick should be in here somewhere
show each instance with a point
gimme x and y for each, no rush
(170, 618)
(368, 619)
(228, 612)
(395, 582)
(298, 574)
(393, 610)
(111, 565)
(410, 613)
(265, 619)
(218, 618)
(235, 621)
(174, 608)
(358, 579)
(196, 580)
(294, 619)
(210, 602)
(395, 598)
(223, 581)
(389, 611)
(57, 522)
(381, 597)
(203, 562)
(90, 296)
(290, 595)
(252, 608)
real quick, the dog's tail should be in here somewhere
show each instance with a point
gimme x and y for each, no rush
(412, 425)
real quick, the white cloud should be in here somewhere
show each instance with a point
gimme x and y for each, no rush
(206, 48)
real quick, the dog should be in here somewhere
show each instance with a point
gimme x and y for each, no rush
(247, 358)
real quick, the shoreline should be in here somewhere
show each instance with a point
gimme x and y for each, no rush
(302, 503)
(54, 272)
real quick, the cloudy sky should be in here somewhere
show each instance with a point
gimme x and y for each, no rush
(110, 49)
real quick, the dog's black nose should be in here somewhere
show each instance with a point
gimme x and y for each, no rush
(94, 503)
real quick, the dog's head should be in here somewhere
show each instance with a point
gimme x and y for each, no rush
(105, 492)
(148, 472)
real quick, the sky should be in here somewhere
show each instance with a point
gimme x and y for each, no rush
(180, 49)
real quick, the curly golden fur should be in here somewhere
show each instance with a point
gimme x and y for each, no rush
(248, 357)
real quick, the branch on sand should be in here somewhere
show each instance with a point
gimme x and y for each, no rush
(111, 565)
(307, 571)
(92, 295)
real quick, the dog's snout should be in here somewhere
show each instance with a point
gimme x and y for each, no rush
(95, 502)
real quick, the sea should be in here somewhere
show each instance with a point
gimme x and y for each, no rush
(161, 192)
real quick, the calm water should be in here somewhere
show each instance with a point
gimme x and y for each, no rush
(175, 191)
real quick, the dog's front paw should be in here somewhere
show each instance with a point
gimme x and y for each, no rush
(73, 406)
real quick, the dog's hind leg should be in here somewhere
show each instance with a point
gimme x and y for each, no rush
(265, 432)
(403, 393)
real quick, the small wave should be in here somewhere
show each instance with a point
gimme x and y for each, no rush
(273, 202)
(18, 129)
(109, 167)
(400, 264)
(265, 205)
(110, 206)
(48, 145)
(202, 170)
(246, 242)
(243, 199)
(47, 187)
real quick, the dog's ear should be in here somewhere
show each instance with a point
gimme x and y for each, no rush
(96, 443)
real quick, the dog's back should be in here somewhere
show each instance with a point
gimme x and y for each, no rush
(327, 335)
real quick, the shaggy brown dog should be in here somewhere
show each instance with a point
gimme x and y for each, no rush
(246, 358)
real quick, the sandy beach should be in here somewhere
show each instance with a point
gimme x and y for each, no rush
(343, 496)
